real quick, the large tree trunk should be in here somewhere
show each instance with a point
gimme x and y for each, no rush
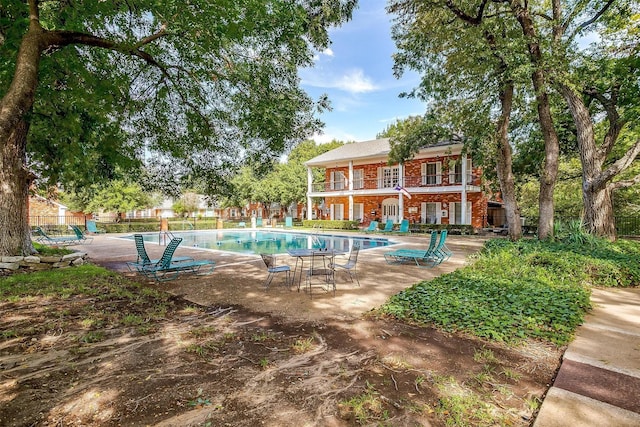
(598, 212)
(14, 176)
(551, 144)
(596, 192)
(15, 180)
(504, 163)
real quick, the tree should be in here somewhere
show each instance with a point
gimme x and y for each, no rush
(468, 77)
(206, 84)
(120, 197)
(187, 204)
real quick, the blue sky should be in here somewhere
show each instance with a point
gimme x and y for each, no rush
(356, 73)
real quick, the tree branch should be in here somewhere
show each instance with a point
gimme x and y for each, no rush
(619, 165)
(626, 183)
(590, 21)
(473, 20)
(615, 123)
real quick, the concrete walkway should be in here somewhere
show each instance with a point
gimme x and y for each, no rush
(599, 380)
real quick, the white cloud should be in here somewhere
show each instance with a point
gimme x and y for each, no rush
(352, 81)
(333, 134)
(328, 52)
(355, 81)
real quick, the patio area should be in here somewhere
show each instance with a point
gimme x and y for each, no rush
(238, 278)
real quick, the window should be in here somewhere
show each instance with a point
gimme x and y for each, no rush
(358, 179)
(432, 173)
(431, 213)
(337, 212)
(455, 173)
(337, 180)
(455, 213)
(390, 177)
(358, 211)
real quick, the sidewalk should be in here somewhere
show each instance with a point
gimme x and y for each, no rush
(598, 383)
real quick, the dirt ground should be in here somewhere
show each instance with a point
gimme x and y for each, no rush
(229, 353)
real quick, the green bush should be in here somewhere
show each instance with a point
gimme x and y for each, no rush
(329, 224)
(451, 228)
(520, 290)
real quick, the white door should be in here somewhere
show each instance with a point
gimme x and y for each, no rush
(390, 210)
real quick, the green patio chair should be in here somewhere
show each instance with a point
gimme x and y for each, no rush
(143, 259)
(82, 238)
(417, 256)
(42, 237)
(168, 269)
(388, 227)
(373, 227)
(93, 228)
(404, 227)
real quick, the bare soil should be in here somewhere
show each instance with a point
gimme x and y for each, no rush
(218, 360)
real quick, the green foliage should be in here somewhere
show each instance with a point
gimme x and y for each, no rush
(330, 225)
(520, 290)
(119, 196)
(199, 88)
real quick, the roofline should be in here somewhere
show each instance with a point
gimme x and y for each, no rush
(457, 146)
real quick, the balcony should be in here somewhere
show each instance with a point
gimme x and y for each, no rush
(411, 183)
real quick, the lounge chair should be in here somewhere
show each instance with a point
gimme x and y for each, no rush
(143, 259)
(350, 265)
(93, 228)
(273, 269)
(82, 238)
(422, 258)
(404, 226)
(45, 239)
(373, 227)
(168, 269)
(388, 227)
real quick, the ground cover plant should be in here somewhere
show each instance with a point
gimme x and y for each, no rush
(519, 290)
(85, 346)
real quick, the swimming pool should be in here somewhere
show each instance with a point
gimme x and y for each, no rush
(270, 242)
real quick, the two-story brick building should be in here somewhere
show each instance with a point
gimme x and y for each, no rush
(443, 185)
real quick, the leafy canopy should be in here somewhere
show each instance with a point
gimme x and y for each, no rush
(203, 85)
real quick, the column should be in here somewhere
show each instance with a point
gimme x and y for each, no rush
(309, 189)
(463, 206)
(350, 190)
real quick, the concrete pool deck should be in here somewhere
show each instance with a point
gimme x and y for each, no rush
(238, 278)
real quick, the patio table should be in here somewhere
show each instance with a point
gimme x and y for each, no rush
(301, 254)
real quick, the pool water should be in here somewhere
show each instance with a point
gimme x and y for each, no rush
(270, 242)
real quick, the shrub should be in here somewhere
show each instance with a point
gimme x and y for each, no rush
(519, 290)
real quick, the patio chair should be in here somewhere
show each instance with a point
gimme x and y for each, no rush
(373, 227)
(168, 269)
(45, 239)
(404, 227)
(93, 228)
(350, 265)
(399, 256)
(143, 259)
(82, 238)
(273, 269)
(388, 227)
(319, 268)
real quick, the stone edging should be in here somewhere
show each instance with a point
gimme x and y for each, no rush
(35, 262)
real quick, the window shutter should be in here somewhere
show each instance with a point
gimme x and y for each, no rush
(438, 213)
(452, 212)
(468, 221)
(439, 173)
(379, 177)
(423, 172)
(423, 212)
